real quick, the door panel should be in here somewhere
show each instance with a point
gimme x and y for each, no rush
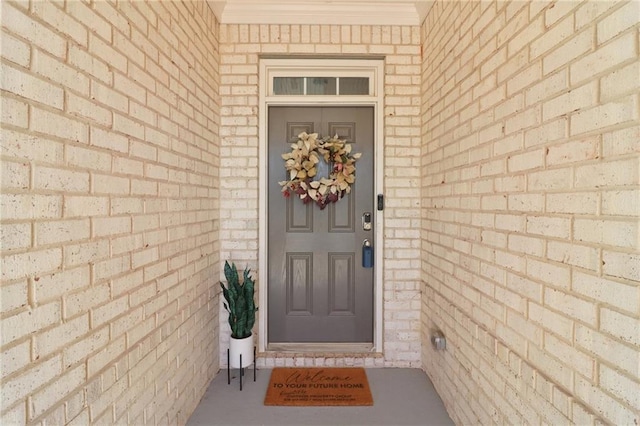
(299, 283)
(318, 290)
(341, 284)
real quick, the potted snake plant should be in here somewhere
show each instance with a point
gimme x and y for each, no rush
(242, 314)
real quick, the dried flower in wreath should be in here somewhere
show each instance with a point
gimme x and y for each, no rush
(302, 166)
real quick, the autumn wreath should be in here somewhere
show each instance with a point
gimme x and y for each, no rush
(301, 164)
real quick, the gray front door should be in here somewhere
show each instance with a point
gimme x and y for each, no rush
(319, 291)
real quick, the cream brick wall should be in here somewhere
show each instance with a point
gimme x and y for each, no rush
(241, 47)
(530, 189)
(112, 210)
(109, 211)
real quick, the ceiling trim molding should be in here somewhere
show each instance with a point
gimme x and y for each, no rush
(321, 12)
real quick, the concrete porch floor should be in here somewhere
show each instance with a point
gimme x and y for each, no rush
(401, 396)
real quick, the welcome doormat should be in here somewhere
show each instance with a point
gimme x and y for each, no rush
(318, 387)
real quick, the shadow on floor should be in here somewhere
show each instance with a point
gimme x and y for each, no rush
(401, 396)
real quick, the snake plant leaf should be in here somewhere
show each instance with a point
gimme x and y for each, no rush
(249, 287)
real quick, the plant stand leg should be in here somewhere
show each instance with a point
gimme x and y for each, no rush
(228, 368)
(254, 363)
(241, 371)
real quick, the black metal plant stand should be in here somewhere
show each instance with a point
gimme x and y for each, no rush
(241, 367)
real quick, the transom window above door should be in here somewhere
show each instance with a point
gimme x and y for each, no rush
(328, 86)
(319, 80)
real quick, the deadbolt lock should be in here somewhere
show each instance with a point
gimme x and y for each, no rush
(366, 221)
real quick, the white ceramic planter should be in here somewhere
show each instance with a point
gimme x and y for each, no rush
(241, 346)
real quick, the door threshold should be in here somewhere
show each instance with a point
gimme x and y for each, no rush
(328, 348)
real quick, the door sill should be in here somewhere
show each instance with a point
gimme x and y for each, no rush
(329, 348)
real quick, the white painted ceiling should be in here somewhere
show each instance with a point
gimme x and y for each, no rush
(338, 12)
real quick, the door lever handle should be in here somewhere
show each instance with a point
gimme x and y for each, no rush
(367, 254)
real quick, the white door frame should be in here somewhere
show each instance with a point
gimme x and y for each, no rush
(297, 67)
